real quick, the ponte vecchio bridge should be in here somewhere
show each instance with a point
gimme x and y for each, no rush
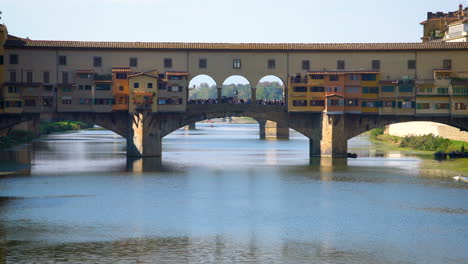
(139, 90)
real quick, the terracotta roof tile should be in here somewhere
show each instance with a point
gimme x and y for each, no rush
(176, 73)
(120, 69)
(442, 70)
(27, 43)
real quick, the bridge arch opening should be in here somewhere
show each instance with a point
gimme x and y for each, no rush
(202, 87)
(270, 88)
(237, 87)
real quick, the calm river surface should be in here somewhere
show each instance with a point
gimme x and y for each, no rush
(220, 195)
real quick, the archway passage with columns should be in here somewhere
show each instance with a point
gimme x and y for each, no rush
(237, 87)
(269, 87)
(202, 87)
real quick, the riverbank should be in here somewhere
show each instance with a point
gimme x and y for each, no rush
(426, 143)
(16, 137)
(47, 128)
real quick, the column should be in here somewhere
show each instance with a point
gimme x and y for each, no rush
(334, 142)
(219, 92)
(253, 94)
(144, 138)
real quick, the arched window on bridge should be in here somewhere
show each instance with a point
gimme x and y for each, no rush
(236, 87)
(270, 88)
(202, 87)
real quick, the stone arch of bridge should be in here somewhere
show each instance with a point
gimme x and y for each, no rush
(357, 124)
(171, 124)
(116, 122)
(198, 84)
(235, 82)
(262, 85)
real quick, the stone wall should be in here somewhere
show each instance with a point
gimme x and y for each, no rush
(424, 128)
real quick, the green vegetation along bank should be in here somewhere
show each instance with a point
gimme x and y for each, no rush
(16, 137)
(425, 143)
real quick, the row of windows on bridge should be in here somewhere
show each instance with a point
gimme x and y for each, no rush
(236, 63)
(388, 104)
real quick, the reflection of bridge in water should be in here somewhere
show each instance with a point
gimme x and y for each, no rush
(328, 133)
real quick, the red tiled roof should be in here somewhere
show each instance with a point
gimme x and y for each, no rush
(442, 70)
(176, 73)
(120, 69)
(27, 43)
(143, 73)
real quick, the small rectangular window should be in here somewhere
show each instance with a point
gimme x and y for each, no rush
(167, 63)
(317, 103)
(411, 64)
(133, 62)
(97, 61)
(236, 63)
(376, 64)
(62, 60)
(136, 85)
(306, 65)
(14, 59)
(150, 85)
(334, 78)
(317, 89)
(1, 60)
(271, 64)
(300, 89)
(29, 77)
(103, 86)
(13, 76)
(121, 75)
(46, 77)
(340, 64)
(353, 77)
(64, 77)
(447, 64)
(202, 64)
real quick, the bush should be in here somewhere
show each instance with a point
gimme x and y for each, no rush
(374, 133)
(426, 142)
(47, 128)
(388, 138)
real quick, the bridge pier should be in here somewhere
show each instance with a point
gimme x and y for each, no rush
(334, 140)
(276, 130)
(190, 127)
(144, 138)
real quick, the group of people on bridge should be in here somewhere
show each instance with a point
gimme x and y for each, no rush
(232, 100)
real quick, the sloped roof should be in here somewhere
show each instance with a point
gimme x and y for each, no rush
(15, 42)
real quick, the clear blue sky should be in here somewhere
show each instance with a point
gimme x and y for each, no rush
(222, 20)
(302, 21)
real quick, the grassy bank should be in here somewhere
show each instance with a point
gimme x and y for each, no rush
(16, 137)
(425, 143)
(47, 128)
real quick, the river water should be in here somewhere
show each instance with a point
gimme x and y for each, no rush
(220, 195)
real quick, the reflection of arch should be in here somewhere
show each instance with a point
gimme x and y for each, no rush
(198, 90)
(270, 92)
(239, 83)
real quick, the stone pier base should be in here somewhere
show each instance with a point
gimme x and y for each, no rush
(144, 139)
